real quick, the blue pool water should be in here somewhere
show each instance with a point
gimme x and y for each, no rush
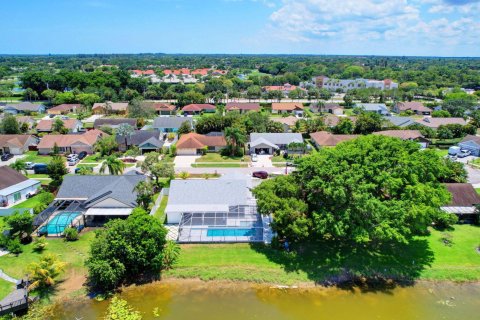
(59, 223)
(230, 232)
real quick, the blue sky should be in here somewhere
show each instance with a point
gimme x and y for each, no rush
(378, 27)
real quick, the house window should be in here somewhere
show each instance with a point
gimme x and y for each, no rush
(17, 196)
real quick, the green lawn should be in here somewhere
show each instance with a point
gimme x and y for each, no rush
(220, 165)
(425, 258)
(160, 213)
(215, 157)
(73, 253)
(86, 165)
(93, 158)
(441, 152)
(37, 175)
(33, 156)
(29, 203)
(5, 288)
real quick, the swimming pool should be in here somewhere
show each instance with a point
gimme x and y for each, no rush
(59, 222)
(230, 232)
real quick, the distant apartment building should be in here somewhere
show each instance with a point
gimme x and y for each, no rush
(349, 84)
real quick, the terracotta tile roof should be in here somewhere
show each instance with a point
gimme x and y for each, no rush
(437, 122)
(116, 106)
(10, 177)
(463, 195)
(198, 141)
(163, 106)
(289, 121)
(230, 106)
(17, 140)
(412, 105)
(285, 87)
(287, 106)
(324, 138)
(46, 125)
(66, 140)
(402, 134)
(65, 107)
(197, 107)
(202, 72)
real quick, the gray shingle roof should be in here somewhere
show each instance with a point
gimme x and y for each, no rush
(277, 138)
(138, 137)
(170, 122)
(98, 188)
(114, 122)
(400, 121)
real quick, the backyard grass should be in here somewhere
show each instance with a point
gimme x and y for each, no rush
(37, 176)
(220, 165)
(425, 258)
(160, 213)
(5, 288)
(441, 152)
(215, 157)
(29, 203)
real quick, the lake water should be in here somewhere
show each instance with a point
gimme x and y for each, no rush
(210, 301)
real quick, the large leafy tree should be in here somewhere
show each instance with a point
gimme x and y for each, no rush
(10, 125)
(106, 145)
(145, 193)
(368, 122)
(56, 170)
(369, 190)
(125, 131)
(235, 139)
(184, 128)
(126, 251)
(20, 224)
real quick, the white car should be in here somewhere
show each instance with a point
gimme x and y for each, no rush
(254, 157)
(72, 156)
(463, 153)
(29, 165)
(73, 161)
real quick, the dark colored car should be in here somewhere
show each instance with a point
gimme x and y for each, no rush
(7, 156)
(82, 155)
(260, 174)
(40, 168)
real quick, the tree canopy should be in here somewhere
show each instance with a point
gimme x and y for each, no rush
(372, 189)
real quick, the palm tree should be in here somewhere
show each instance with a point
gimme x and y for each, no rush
(43, 273)
(20, 166)
(115, 166)
(235, 138)
(144, 192)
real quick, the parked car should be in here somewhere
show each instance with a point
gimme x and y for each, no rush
(254, 157)
(73, 161)
(72, 156)
(260, 174)
(82, 155)
(7, 156)
(29, 165)
(40, 168)
(463, 153)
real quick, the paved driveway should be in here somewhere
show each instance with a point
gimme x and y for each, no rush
(12, 160)
(264, 161)
(184, 161)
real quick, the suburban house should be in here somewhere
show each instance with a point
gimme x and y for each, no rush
(413, 135)
(434, 123)
(344, 85)
(193, 143)
(164, 109)
(170, 124)
(401, 122)
(215, 210)
(287, 122)
(329, 107)
(332, 120)
(268, 143)
(110, 107)
(295, 108)
(413, 106)
(70, 143)
(242, 107)
(16, 143)
(285, 89)
(197, 108)
(15, 187)
(72, 125)
(379, 108)
(90, 201)
(65, 108)
(114, 122)
(464, 202)
(327, 139)
(26, 119)
(146, 141)
(472, 144)
(24, 108)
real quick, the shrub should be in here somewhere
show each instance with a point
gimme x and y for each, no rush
(171, 252)
(40, 244)
(184, 175)
(71, 234)
(14, 246)
(173, 150)
(171, 136)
